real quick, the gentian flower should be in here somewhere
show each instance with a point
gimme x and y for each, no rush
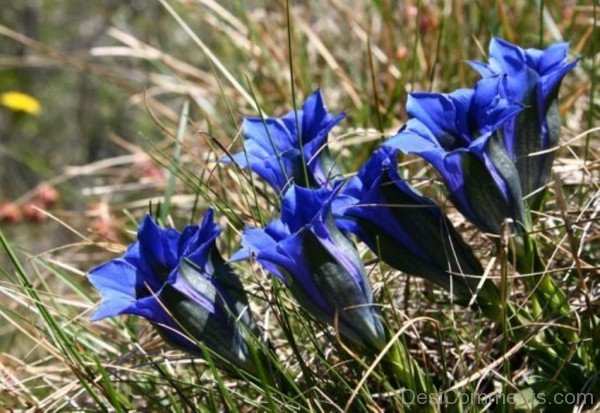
(292, 148)
(457, 134)
(405, 229)
(533, 79)
(308, 253)
(180, 283)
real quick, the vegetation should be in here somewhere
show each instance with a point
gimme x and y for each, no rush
(136, 105)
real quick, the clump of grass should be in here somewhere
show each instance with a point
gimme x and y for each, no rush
(235, 61)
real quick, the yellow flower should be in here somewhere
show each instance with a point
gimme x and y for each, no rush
(23, 102)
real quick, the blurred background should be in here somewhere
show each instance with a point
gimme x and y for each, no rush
(73, 109)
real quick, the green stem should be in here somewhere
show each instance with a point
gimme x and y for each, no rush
(550, 350)
(406, 372)
(547, 298)
(547, 295)
(496, 307)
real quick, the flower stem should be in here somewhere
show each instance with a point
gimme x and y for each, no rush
(400, 365)
(547, 296)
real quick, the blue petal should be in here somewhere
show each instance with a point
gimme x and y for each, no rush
(314, 114)
(119, 283)
(518, 85)
(289, 256)
(277, 230)
(314, 124)
(270, 134)
(241, 159)
(135, 258)
(157, 245)
(547, 60)
(242, 254)
(509, 57)
(115, 279)
(491, 106)
(294, 128)
(434, 110)
(463, 102)
(347, 199)
(549, 84)
(202, 242)
(271, 151)
(416, 138)
(186, 238)
(273, 145)
(349, 225)
(454, 177)
(209, 230)
(300, 206)
(483, 69)
(257, 242)
(112, 308)
(479, 146)
(383, 158)
(151, 309)
(365, 193)
(317, 122)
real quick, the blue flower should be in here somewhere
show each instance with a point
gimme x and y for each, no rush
(309, 254)
(457, 134)
(180, 283)
(405, 229)
(289, 149)
(533, 79)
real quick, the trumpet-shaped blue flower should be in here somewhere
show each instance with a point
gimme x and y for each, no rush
(292, 148)
(405, 229)
(456, 133)
(180, 283)
(309, 254)
(533, 79)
